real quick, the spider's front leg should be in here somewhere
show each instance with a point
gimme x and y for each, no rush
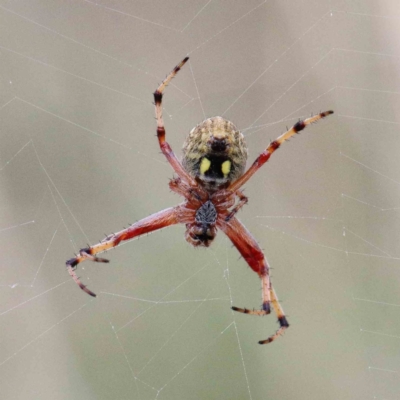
(164, 146)
(266, 154)
(162, 219)
(251, 252)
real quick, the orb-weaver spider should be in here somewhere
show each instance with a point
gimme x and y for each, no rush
(209, 178)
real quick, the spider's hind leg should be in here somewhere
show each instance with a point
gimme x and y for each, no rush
(283, 323)
(73, 262)
(251, 252)
(86, 255)
(266, 297)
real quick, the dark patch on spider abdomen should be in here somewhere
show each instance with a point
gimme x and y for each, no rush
(206, 214)
(215, 169)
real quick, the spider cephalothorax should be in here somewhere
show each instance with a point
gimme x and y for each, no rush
(209, 178)
(203, 231)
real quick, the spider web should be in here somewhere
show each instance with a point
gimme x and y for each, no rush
(79, 158)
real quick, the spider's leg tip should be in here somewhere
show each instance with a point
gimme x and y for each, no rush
(326, 113)
(86, 290)
(264, 341)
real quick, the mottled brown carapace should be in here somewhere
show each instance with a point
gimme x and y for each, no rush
(209, 178)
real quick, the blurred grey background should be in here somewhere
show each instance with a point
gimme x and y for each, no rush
(79, 158)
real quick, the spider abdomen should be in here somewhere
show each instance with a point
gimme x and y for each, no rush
(215, 153)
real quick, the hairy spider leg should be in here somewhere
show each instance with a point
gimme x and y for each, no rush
(156, 221)
(251, 252)
(164, 146)
(266, 154)
(283, 324)
(184, 183)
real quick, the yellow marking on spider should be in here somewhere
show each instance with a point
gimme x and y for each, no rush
(205, 165)
(226, 167)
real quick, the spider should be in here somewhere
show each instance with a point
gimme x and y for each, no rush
(209, 178)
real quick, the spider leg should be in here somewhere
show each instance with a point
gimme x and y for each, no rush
(164, 146)
(251, 252)
(159, 220)
(182, 188)
(242, 201)
(93, 258)
(71, 271)
(266, 154)
(283, 324)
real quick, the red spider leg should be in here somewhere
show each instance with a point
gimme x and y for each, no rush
(159, 220)
(266, 154)
(165, 147)
(251, 252)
